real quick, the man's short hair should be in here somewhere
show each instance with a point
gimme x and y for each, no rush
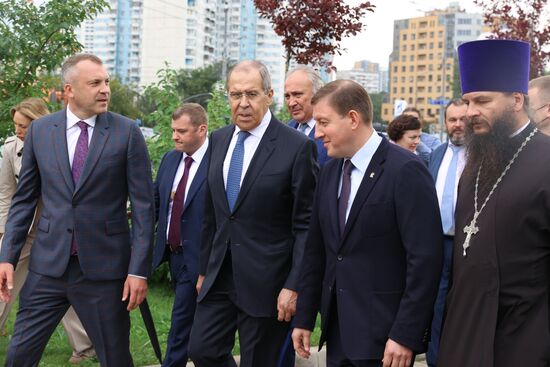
(197, 114)
(252, 65)
(413, 109)
(344, 96)
(543, 85)
(454, 102)
(311, 74)
(71, 62)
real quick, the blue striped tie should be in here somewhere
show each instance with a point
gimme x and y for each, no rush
(235, 170)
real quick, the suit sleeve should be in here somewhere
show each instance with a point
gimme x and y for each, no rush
(156, 187)
(304, 175)
(419, 224)
(313, 271)
(209, 219)
(8, 185)
(23, 203)
(140, 192)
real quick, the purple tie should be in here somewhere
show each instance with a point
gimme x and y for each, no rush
(80, 154)
(344, 195)
(174, 232)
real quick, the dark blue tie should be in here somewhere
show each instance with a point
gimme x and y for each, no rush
(236, 170)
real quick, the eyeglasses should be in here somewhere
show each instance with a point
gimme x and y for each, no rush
(237, 96)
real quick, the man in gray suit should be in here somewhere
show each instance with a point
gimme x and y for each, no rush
(84, 162)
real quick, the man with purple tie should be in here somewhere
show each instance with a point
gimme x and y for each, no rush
(84, 163)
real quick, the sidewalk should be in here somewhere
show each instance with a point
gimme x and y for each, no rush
(317, 359)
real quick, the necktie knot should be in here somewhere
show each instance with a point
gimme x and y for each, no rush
(302, 127)
(348, 167)
(188, 161)
(455, 148)
(242, 136)
(82, 125)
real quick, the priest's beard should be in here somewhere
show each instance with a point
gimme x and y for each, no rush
(492, 149)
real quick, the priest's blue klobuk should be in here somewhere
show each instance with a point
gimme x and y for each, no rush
(494, 66)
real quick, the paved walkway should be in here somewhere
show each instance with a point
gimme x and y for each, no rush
(317, 359)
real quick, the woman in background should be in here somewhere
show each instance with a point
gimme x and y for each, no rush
(405, 131)
(23, 115)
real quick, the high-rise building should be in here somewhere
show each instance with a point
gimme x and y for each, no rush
(243, 35)
(366, 73)
(422, 63)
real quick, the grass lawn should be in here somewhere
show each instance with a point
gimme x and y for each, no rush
(160, 299)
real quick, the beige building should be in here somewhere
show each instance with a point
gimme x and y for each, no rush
(422, 63)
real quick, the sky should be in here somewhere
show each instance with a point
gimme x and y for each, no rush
(375, 42)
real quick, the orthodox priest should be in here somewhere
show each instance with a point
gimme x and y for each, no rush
(498, 305)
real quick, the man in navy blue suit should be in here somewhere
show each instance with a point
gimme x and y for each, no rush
(373, 254)
(179, 199)
(301, 84)
(446, 165)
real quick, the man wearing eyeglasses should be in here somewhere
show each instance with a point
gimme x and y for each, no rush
(539, 103)
(260, 184)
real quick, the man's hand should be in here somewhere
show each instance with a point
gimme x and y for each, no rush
(396, 355)
(199, 283)
(286, 304)
(136, 288)
(6, 281)
(300, 339)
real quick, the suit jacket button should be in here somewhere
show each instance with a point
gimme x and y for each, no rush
(340, 257)
(70, 230)
(232, 217)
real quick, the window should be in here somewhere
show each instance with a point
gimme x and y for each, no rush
(411, 68)
(394, 90)
(404, 37)
(411, 58)
(403, 68)
(402, 90)
(410, 90)
(404, 48)
(395, 69)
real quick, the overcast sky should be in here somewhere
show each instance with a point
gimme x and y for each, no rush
(375, 42)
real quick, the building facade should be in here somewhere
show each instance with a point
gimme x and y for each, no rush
(422, 63)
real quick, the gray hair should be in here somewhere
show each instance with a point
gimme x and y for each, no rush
(311, 74)
(252, 65)
(71, 62)
(543, 85)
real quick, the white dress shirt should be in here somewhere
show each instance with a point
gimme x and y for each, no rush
(442, 175)
(250, 145)
(197, 159)
(360, 160)
(73, 132)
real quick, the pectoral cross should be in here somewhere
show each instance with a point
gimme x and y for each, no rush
(470, 230)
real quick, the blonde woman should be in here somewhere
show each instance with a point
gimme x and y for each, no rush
(23, 114)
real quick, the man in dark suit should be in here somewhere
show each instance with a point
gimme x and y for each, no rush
(84, 163)
(446, 165)
(301, 84)
(373, 254)
(179, 202)
(258, 203)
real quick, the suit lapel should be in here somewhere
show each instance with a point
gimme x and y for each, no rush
(59, 137)
(332, 197)
(312, 133)
(99, 138)
(436, 160)
(264, 150)
(172, 168)
(373, 173)
(199, 178)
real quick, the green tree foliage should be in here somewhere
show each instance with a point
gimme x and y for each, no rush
(166, 99)
(219, 113)
(377, 100)
(124, 100)
(283, 115)
(195, 85)
(34, 41)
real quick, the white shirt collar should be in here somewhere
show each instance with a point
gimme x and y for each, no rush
(363, 156)
(518, 131)
(259, 130)
(197, 156)
(72, 119)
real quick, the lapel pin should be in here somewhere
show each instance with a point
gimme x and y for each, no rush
(371, 175)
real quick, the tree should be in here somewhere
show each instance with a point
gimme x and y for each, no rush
(313, 29)
(521, 20)
(197, 83)
(34, 41)
(123, 100)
